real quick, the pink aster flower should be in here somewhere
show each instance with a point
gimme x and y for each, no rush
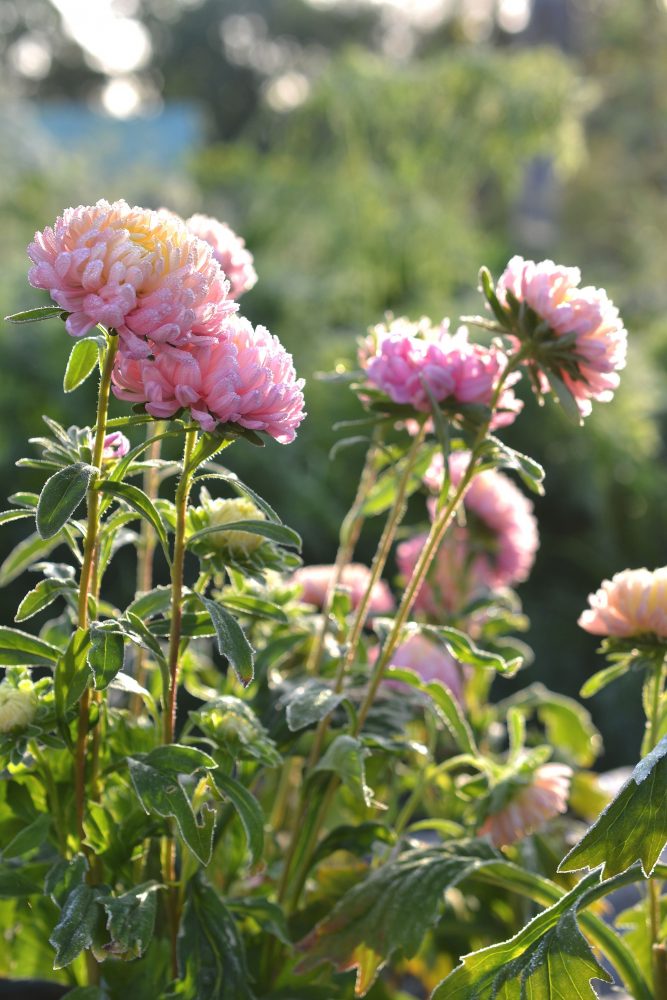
(245, 376)
(430, 661)
(589, 366)
(116, 446)
(314, 582)
(632, 603)
(530, 806)
(495, 548)
(139, 272)
(229, 250)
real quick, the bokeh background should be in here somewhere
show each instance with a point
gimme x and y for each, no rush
(373, 154)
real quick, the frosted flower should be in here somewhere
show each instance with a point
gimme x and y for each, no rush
(139, 272)
(245, 376)
(589, 360)
(229, 250)
(215, 513)
(17, 706)
(116, 446)
(530, 806)
(431, 662)
(314, 582)
(632, 603)
(495, 548)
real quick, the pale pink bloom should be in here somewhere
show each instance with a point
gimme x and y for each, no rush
(400, 327)
(116, 446)
(531, 806)
(430, 661)
(632, 603)
(495, 548)
(314, 582)
(600, 339)
(229, 250)
(245, 376)
(139, 272)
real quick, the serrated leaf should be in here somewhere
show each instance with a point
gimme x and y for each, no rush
(345, 757)
(248, 809)
(633, 827)
(105, 656)
(41, 596)
(131, 917)
(232, 641)
(78, 919)
(309, 703)
(36, 315)
(548, 960)
(82, 360)
(21, 649)
(61, 496)
(278, 533)
(138, 500)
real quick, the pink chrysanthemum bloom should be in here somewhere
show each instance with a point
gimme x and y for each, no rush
(398, 327)
(495, 548)
(530, 806)
(405, 362)
(244, 377)
(595, 351)
(229, 250)
(314, 582)
(116, 446)
(139, 272)
(431, 661)
(632, 603)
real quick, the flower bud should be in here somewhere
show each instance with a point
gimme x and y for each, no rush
(17, 706)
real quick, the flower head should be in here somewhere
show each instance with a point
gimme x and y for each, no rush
(584, 342)
(116, 446)
(216, 513)
(17, 706)
(139, 272)
(314, 582)
(229, 250)
(530, 806)
(632, 603)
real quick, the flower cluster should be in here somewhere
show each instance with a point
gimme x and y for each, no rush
(632, 603)
(149, 277)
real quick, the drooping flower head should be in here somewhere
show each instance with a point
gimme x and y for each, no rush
(116, 446)
(314, 582)
(632, 603)
(431, 661)
(495, 547)
(530, 806)
(575, 333)
(244, 376)
(229, 250)
(140, 272)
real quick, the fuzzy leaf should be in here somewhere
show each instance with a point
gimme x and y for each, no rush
(232, 641)
(27, 552)
(78, 919)
(310, 702)
(278, 533)
(345, 757)
(71, 675)
(60, 497)
(105, 656)
(20, 649)
(131, 917)
(45, 593)
(138, 500)
(248, 809)
(633, 827)
(36, 315)
(82, 360)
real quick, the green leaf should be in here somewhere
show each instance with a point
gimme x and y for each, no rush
(60, 497)
(82, 360)
(105, 656)
(20, 649)
(27, 552)
(248, 809)
(29, 838)
(86, 993)
(633, 827)
(356, 840)
(151, 603)
(548, 960)
(138, 500)
(71, 678)
(310, 702)
(241, 489)
(268, 915)
(392, 908)
(567, 723)
(345, 757)
(211, 957)
(605, 676)
(64, 876)
(232, 641)
(464, 650)
(78, 919)
(531, 472)
(383, 494)
(41, 596)
(131, 918)
(14, 515)
(159, 784)
(486, 282)
(278, 533)
(17, 881)
(36, 315)
(256, 607)
(565, 398)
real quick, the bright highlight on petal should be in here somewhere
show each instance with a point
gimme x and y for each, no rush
(632, 603)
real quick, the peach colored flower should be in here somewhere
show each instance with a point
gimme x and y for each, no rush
(632, 603)
(314, 582)
(431, 661)
(530, 806)
(590, 365)
(229, 250)
(139, 272)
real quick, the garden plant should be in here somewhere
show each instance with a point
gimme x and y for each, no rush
(269, 780)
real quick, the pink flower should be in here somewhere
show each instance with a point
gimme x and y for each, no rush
(139, 272)
(589, 366)
(314, 582)
(245, 376)
(116, 446)
(530, 806)
(495, 548)
(632, 603)
(431, 661)
(229, 250)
